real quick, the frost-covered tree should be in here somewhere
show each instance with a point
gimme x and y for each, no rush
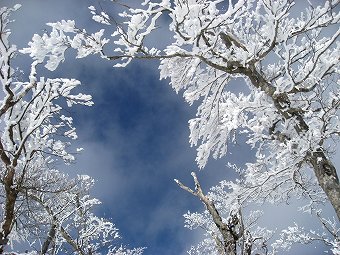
(287, 54)
(41, 207)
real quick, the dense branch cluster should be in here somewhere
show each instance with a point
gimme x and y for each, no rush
(288, 111)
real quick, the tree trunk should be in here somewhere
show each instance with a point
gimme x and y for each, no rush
(327, 177)
(49, 239)
(11, 197)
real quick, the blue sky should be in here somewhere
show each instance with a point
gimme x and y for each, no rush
(135, 138)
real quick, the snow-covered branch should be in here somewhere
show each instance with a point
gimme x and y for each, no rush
(39, 204)
(288, 112)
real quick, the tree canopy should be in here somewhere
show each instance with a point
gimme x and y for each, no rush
(286, 54)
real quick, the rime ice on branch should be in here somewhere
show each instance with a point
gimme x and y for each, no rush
(39, 204)
(288, 57)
